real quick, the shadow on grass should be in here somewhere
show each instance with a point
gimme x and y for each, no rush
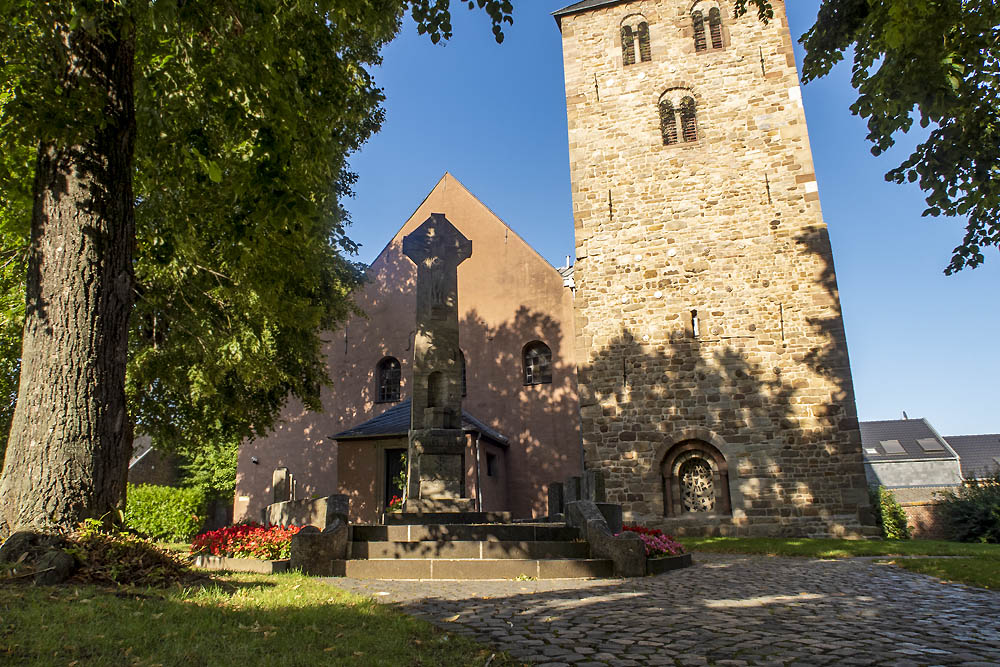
(243, 620)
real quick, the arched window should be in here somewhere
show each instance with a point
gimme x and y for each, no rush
(668, 122)
(537, 363)
(644, 50)
(689, 126)
(628, 45)
(712, 39)
(700, 43)
(695, 480)
(388, 374)
(678, 102)
(635, 27)
(715, 27)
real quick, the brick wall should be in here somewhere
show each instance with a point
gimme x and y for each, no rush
(722, 235)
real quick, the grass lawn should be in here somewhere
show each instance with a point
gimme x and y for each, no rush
(244, 620)
(982, 572)
(980, 566)
(831, 548)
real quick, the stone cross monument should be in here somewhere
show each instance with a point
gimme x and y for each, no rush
(437, 441)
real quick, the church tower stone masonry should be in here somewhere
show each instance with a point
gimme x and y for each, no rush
(715, 386)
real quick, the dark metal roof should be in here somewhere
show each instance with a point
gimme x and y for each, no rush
(583, 6)
(980, 454)
(906, 432)
(395, 422)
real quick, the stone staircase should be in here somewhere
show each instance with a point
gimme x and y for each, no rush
(467, 545)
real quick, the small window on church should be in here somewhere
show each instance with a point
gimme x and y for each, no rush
(678, 122)
(668, 123)
(491, 465)
(635, 28)
(537, 363)
(715, 27)
(388, 375)
(712, 37)
(628, 45)
(700, 43)
(644, 51)
(689, 126)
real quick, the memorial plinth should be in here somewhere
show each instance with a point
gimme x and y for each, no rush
(436, 461)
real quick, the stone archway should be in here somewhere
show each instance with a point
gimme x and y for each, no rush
(695, 480)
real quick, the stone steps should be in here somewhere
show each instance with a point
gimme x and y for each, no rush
(467, 549)
(476, 568)
(450, 550)
(437, 518)
(498, 532)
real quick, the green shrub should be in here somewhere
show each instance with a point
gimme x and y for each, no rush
(165, 513)
(973, 512)
(891, 517)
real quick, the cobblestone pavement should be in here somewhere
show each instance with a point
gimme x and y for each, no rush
(725, 610)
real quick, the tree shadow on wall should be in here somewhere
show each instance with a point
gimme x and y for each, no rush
(761, 384)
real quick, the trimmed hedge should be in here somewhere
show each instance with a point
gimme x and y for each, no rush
(165, 513)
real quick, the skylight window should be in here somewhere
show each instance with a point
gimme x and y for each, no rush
(930, 444)
(871, 450)
(892, 447)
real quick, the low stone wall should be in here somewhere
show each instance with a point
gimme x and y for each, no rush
(241, 564)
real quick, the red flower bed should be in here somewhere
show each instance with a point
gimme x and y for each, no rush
(247, 540)
(658, 544)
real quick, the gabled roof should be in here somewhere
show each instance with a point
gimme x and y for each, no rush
(395, 422)
(903, 440)
(583, 6)
(980, 454)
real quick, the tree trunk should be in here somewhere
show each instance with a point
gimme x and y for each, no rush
(71, 436)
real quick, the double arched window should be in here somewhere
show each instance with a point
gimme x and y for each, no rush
(635, 29)
(389, 375)
(678, 117)
(713, 38)
(537, 363)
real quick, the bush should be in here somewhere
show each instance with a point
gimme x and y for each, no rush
(165, 513)
(973, 513)
(247, 540)
(891, 517)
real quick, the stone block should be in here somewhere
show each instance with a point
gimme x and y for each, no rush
(555, 499)
(573, 490)
(593, 486)
(612, 513)
(314, 551)
(627, 551)
(319, 512)
(281, 488)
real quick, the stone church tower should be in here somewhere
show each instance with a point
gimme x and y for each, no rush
(714, 380)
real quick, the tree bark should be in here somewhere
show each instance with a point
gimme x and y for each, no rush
(71, 436)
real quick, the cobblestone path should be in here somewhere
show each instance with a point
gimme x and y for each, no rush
(725, 610)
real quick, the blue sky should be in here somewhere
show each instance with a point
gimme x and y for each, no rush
(495, 117)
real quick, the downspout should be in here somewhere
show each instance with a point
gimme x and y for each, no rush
(479, 487)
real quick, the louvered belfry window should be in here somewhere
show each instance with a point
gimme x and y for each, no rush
(689, 125)
(715, 27)
(668, 123)
(628, 45)
(645, 54)
(700, 44)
